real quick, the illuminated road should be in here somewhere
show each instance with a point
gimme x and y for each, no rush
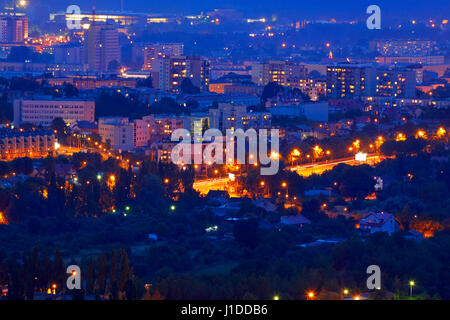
(319, 168)
(203, 186)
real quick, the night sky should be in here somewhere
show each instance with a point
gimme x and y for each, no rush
(317, 9)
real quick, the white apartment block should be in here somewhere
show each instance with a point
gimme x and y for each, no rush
(122, 134)
(41, 111)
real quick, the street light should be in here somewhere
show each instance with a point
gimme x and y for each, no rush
(411, 285)
(276, 298)
(311, 295)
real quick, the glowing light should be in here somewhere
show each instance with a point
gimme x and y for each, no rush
(275, 155)
(361, 156)
(345, 291)
(441, 132)
(276, 298)
(400, 137)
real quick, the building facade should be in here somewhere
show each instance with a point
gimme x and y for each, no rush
(102, 45)
(19, 144)
(350, 81)
(41, 111)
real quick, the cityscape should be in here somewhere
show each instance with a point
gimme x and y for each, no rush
(224, 150)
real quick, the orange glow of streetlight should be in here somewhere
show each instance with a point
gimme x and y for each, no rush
(421, 134)
(441, 132)
(311, 295)
(284, 184)
(275, 155)
(357, 298)
(166, 181)
(400, 137)
(296, 153)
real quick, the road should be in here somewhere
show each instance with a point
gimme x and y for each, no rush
(203, 186)
(320, 167)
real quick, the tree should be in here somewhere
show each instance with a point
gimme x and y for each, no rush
(113, 66)
(59, 270)
(70, 90)
(246, 232)
(61, 128)
(90, 277)
(270, 90)
(102, 273)
(356, 182)
(187, 87)
(146, 83)
(125, 270)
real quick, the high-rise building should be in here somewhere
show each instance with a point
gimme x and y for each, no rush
(68, 53)
(396, 82)
(282, 72)
(13, 29)
(157, 50)
(168, 72)
(102, 44)
(229, 116)
(350, 81)
(162, 126)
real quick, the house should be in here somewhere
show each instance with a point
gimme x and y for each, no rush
(220, 196)
(297, 220)
(65, 170)
(230, 208)
(378, 222)
(265, 204)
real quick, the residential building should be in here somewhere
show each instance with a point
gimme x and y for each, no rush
(118, 132)
(153, 51)
(350, 80)
(378, 222)
(162, 126)
(396, 82)
(169, 72)
(102, 44)
(13, 29)
(20, 143)
(281, 72)
(229, 116)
